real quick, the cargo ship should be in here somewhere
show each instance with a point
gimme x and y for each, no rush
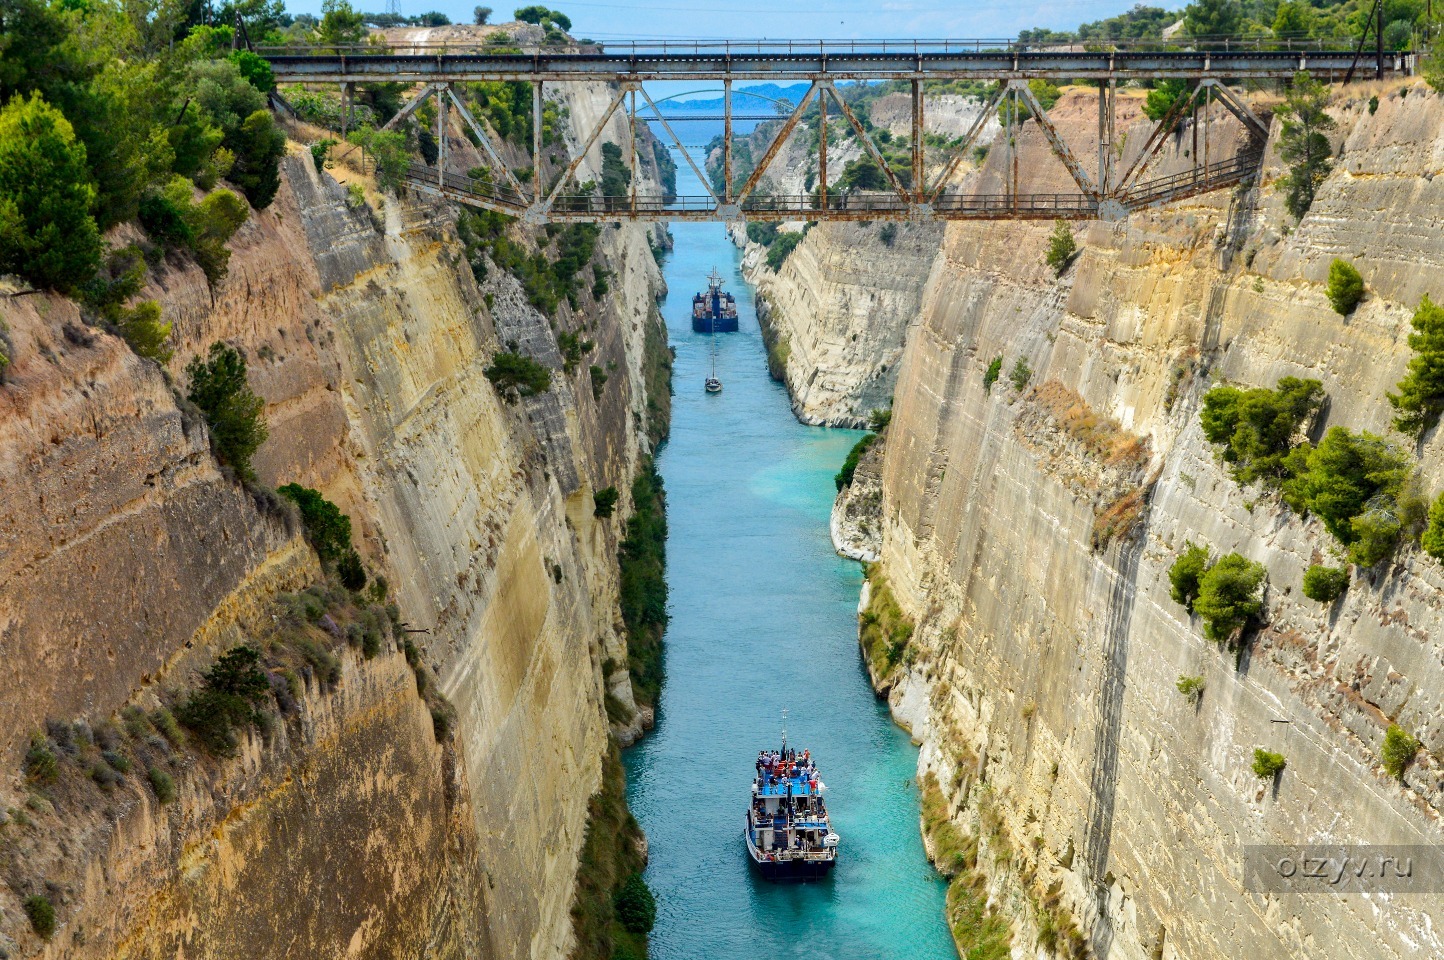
(789, 835)
(714, 311)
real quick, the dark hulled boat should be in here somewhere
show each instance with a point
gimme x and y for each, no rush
(789, 835)
(714, 311)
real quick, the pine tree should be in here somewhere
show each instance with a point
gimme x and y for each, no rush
(1420, 399)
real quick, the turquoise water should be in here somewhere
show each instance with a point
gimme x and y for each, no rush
(762, 618)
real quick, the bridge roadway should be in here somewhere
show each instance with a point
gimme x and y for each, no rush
(814, 60)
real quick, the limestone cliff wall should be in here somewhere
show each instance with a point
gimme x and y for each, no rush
(1043, 670)
(129, 560)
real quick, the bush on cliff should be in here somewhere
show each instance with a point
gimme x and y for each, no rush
(604, 502)
(1266, 764)
(1230, 595)
(1062, 248)
(1346, 287)
(849, 466)
(47, 233)
(643, 565)
(1398, 750)
(329, 532)
(235, 415)
(1433, 538)
(636, 907)
(1304, 143)
(41, 914)
(517, 375)
(1257, 427)
(1186, 572)
(1357, 484)
(1420, 399)
(227, 699)
(991, 375)
(1325, 584)
(781, 249)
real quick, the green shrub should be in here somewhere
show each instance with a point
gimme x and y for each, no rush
(1021, 374)
(232, 689)
(642, 560)
(1433, 539)
(319, 151)
(1398, 750)
(1325, 584)
(1346, 287)
(1373, 105)
(888, 234)
(849, 466)
(1420, 399)
(255, 69)
(41, 764)
(1267, 765)
(762, 232)
(879, 419)
(142, 328)
(1162, 97)
(1353, 482)
(990, 376)
(781, 249)
(169, 727)
(1062, 248)
(605, 502)
(350, 571)
(47, 233)
(1257, 427)
(1190, 687)
(1304, 142)
(235, 414)
(1229, 595)
(389, 149)
(636, 907)
(517, 375)
(327, 528)
(162, 783)
(42, 916)
(1186, 572)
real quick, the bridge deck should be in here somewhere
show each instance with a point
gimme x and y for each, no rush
(852, 61)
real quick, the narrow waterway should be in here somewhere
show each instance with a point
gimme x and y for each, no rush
(763, 616)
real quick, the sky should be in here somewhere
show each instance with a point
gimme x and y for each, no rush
(787, 19)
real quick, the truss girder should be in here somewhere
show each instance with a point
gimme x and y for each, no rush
(1108, 197)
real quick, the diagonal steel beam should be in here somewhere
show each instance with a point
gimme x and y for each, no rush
(706, 184)
(483, 136)
(1155, 140)
(1235, 105)
(919, 180)
(773, 147)
(1080, 176)
(867, 143)
(989, 109)
(410, 108)
(586, 148)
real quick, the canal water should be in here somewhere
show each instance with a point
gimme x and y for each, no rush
(763, 616)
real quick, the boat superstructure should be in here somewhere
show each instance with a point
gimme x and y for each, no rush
(714, 311)
(789, 835)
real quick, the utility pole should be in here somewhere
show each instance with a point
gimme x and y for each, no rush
(1379, 38)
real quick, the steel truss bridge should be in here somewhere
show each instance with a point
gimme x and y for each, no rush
(1107, 193)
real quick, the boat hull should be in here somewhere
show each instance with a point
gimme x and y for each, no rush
(714, 324)
(788, 870)
(794, 871)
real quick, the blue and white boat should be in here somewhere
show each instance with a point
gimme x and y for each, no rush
(788, 833)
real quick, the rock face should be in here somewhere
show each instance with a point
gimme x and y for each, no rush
(1115, 812)
(128, 561)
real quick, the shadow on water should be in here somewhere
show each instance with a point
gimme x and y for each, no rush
(763, 617)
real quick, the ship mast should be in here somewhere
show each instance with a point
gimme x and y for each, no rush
(784, 731)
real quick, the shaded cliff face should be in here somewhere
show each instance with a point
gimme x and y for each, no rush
(367, 336)
(1112, 810)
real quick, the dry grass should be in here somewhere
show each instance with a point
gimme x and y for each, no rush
(1101, 435)
(1117, 518)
